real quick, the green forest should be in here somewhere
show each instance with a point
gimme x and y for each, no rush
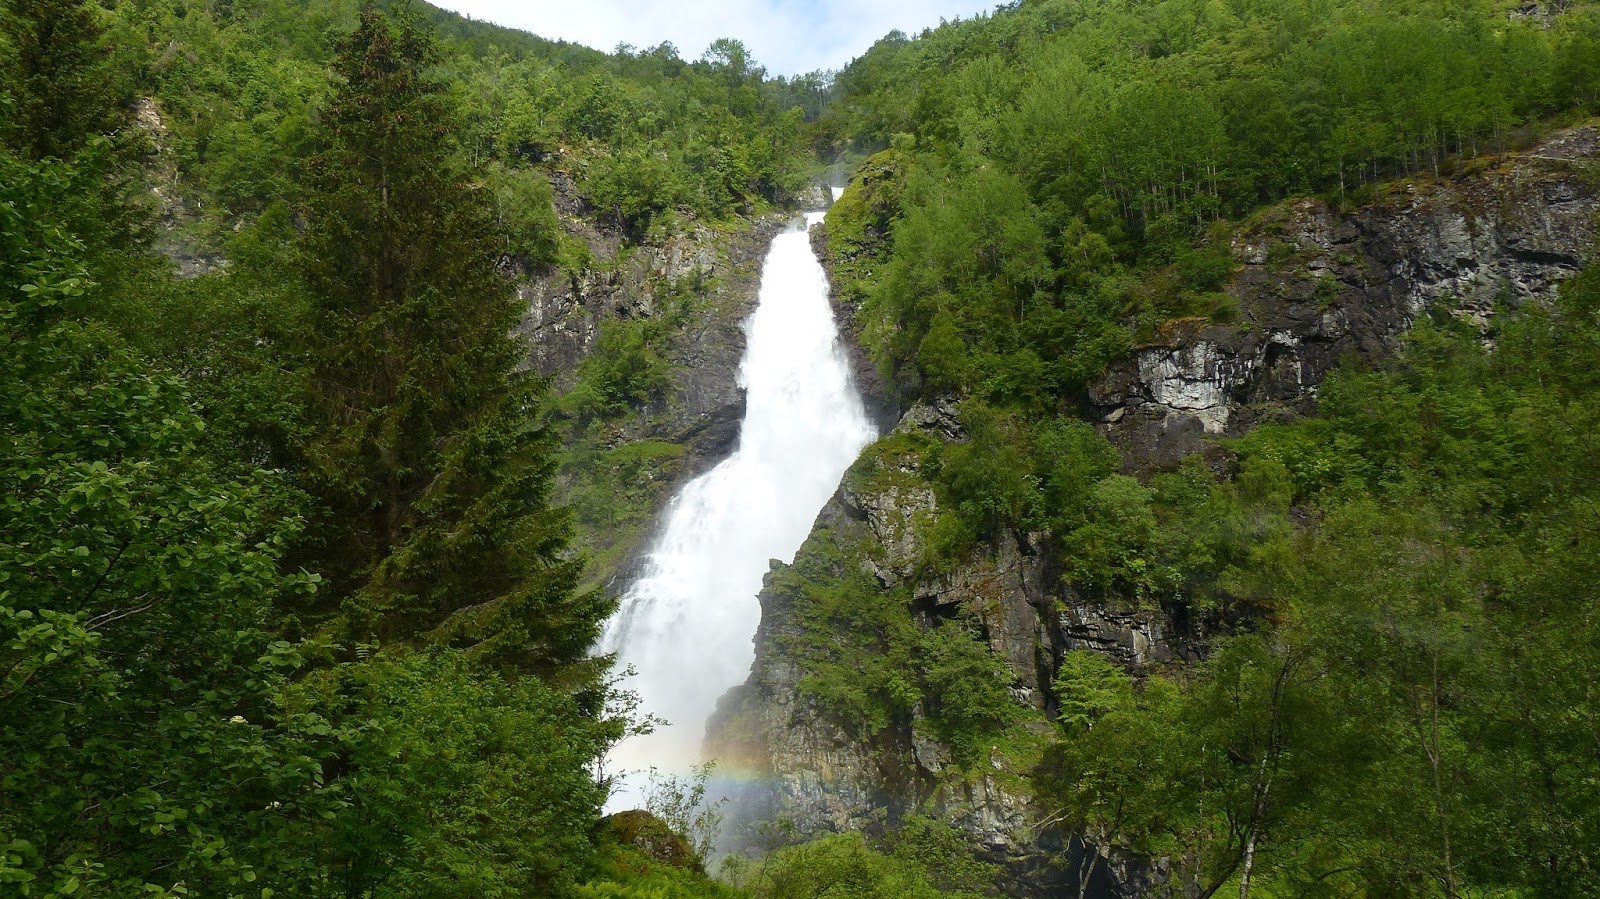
(290, 606)
(1402, 704)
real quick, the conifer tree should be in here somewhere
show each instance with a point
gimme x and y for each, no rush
(430, 458)
(55, 68)
(59, 76)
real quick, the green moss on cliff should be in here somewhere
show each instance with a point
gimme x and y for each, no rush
(614, 493)
(869, 656)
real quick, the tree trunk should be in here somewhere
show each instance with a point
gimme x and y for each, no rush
(1263, 787)
(1436, 761)
(1091, 860)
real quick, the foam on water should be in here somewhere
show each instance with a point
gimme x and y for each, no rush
(686, 625)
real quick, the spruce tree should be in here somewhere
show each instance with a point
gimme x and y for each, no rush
(59, 100)
(430, 458)
(59, 76)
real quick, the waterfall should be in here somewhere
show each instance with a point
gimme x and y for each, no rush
(687, 624)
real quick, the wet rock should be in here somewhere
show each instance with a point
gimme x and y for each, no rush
(878, 396)
(938, 417)
(175, 213)
(814, 195)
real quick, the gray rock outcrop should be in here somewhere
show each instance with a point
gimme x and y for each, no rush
(816, 774)
(1315, 284)
(723, 269)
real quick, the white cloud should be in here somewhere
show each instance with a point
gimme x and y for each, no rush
(786, 36)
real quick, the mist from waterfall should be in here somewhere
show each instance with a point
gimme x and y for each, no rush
(686, 626)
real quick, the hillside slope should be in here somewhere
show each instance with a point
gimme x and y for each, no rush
(994, 626)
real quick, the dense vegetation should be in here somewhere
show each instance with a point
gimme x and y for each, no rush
(286, 607)
(641, 133)
(1416, 716)
(1059, 169)
(1402, 709)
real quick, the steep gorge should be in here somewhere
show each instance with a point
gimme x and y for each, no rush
(1231, 522)
(684, 625)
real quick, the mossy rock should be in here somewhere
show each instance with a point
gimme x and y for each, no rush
(651, 836)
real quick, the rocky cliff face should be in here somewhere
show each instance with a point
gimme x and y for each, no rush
(1314, 284)
(702, 406)
(820, 775)
(176, 215)
(565, 311)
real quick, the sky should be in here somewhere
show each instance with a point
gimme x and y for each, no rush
(787, 37)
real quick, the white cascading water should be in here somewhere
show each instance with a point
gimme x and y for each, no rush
(686, 625)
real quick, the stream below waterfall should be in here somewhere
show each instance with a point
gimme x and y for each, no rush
(687, 624)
